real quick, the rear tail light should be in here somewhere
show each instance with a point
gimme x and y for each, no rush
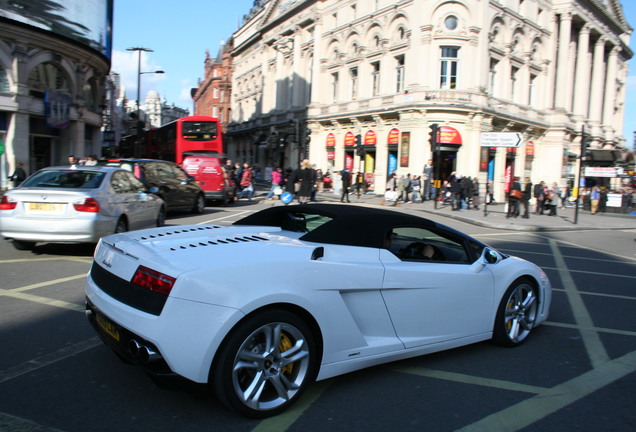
(90, 205)
(153, 280)
(7, 204)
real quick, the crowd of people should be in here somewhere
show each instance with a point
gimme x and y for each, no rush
(460, 192)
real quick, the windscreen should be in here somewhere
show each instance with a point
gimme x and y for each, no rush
(199, 130)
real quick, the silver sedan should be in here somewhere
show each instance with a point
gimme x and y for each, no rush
(77, 205)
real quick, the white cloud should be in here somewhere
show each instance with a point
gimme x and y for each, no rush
(126, 64)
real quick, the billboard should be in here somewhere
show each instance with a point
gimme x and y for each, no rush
(88, 22)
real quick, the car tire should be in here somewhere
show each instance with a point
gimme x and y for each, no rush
(199, 204)
(259, 378)
(121, 226)
(23, 245)
(517, 314)
(161, 216)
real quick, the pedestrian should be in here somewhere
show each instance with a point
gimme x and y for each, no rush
(525, 197)
(345, 177)
(416, 185)
(91, 160)
(19, 175)
(595, 198)
(455, 189)
(602, 203)
(320, 184)
(246, 183)
(391, 190)
(539, 196)
(513, 198)
(399, 187)
(307, 178)
(277, 178)
(475, 193)
(408, 188)
(554, 196)
(359, 184)
(467, 192)
(427, 179)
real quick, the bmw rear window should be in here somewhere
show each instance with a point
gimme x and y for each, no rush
(65, 179)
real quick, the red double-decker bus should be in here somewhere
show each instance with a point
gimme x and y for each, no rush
(187, 134)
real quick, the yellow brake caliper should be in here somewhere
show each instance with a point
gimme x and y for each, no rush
(284, 345)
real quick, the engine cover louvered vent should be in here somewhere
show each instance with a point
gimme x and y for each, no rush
(173, 231)
(220, 241)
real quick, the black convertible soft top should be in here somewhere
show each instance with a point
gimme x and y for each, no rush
(349, 225)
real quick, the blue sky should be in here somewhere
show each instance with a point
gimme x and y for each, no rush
(180, 33)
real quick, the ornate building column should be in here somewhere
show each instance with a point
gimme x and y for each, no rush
(610, 89)
(565, 29)
(582, 78)
(598, 76)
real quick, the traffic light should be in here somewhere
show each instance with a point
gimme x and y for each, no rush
(307, 136)
(433, 137)
(585, 143)
(359, 148)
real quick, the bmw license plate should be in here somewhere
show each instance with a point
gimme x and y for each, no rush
(107, 326)
(46, 207)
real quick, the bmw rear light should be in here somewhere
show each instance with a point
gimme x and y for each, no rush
(153, 280)
(90, 205)
(7, 204)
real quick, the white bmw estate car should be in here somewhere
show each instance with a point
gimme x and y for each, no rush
(292, 294)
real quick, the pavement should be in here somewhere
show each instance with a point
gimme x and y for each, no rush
(492, 216)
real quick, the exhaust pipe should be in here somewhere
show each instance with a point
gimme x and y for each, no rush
(142, 353)
(148, 355)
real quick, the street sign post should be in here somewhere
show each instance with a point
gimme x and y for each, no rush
(501, 139)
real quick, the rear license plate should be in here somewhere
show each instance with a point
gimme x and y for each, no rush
(107, 326)
(46, 207)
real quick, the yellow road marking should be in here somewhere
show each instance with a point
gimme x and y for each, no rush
(43, 300)
(48, 359)
(595, 348)
(523, 414)
(47, 283)
(283, 421)
(470, 379)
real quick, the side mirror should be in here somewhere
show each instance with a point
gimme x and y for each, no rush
(491, 256)
(488, 256)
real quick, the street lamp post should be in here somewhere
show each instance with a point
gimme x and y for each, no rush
(139, 73)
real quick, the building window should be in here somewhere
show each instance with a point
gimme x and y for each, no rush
(448, 71)
(532, 88)
(492, 78)
(399, 74)
(334, 87)
(353, 73)
(215, 93)
(222, 96)
(4, 81)
(375, 75)
(47, 76)
(215, 111)
(514, 82)
(451, 22)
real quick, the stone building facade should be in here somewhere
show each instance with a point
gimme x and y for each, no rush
(214, 94)
(51, 97)
(311, 75)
